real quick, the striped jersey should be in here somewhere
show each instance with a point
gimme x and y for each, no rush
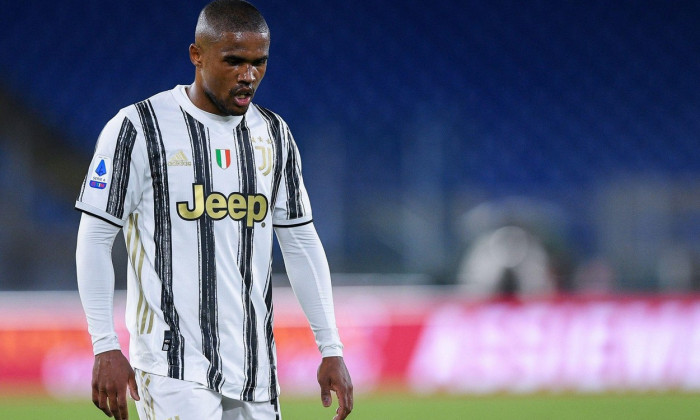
(197, 195)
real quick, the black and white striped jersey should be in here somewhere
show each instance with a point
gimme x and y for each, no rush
(197, 195)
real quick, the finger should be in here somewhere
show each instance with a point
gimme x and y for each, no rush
(133, 388)
(96, 397)
(344, 404)
(102, 403)
(113, 405)
(326, 397)
(122, 407)
(349, 398)
(341, 413)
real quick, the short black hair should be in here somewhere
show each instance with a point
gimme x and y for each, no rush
(221, 16)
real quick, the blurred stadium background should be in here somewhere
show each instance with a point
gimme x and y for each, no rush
(497, 184)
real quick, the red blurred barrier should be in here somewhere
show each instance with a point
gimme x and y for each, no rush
(417, 338)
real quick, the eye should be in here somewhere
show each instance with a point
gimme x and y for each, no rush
(234, 61)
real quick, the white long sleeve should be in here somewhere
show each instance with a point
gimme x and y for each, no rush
(95, 271)
(309, 275)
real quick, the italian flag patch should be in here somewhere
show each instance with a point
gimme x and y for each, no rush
(223, 158)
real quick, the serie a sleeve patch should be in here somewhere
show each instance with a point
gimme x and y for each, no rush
(99, 176)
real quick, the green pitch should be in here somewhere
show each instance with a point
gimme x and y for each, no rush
(408, 407)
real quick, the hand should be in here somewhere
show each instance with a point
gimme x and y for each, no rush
(111, 375)
(333, 376)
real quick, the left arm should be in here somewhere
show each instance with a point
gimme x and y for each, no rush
(309, 275)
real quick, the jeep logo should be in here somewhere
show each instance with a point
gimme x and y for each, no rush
(252, 208)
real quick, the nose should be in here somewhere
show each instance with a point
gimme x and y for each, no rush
(247, 75)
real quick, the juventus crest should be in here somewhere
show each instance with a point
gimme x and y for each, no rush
(264, 146)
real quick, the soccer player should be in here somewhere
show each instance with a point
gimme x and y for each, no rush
(198, 178)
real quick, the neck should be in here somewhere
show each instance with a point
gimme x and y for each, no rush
(200, 99)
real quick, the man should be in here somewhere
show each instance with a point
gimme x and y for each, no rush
(198, 177)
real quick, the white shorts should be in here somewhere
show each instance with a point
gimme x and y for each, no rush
(164, 398)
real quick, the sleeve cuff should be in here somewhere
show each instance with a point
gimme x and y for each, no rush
(328, 342)
(292, 223)
(106, 343)
(100, 214)
(332, 351)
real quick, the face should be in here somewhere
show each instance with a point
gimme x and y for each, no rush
(229, 71)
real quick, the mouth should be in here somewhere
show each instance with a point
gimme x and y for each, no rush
(243, 97)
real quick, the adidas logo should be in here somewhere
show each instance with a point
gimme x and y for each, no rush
(179, 159)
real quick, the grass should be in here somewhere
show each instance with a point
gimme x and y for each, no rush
(676, 406)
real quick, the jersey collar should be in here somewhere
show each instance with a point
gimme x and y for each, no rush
(229, 121)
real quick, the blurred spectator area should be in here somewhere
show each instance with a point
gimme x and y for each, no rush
(409, 119)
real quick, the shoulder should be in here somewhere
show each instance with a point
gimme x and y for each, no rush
(269, 116)
(147, 108)
(163, 99)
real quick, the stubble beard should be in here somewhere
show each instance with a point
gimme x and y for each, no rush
(220, 105)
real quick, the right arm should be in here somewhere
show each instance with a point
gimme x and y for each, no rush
(110, 192)
(111, 373)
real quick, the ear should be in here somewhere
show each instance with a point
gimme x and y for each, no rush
(196, 55)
